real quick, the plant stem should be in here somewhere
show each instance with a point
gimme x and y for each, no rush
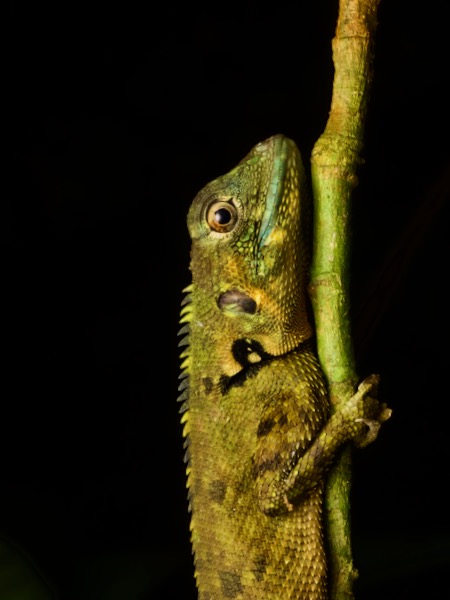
(334, 162)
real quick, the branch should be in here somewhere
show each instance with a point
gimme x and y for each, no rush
(334, 162)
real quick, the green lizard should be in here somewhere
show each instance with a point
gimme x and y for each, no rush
(259, 435)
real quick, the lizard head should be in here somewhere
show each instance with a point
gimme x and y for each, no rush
(249, 255)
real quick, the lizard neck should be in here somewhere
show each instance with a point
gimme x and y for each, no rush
(241, 337)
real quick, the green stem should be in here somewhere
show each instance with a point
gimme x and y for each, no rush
(334, 162)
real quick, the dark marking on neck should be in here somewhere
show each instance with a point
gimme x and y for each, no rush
(244, 352)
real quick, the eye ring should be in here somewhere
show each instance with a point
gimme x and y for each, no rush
(222, 216)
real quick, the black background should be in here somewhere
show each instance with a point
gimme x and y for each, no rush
(115, 118)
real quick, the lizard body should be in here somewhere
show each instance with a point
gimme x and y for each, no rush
(259, 435)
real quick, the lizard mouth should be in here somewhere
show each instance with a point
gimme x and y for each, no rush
(235, 301)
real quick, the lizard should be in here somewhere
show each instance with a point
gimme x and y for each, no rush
(259, 433)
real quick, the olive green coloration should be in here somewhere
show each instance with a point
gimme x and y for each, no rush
(258, 434)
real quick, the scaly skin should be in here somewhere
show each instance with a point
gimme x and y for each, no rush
(259, 437)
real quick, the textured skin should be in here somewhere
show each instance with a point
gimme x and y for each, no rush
(259, 437)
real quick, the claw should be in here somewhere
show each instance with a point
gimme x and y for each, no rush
(369, 384)
(373, 427)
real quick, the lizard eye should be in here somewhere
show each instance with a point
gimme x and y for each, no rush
(222, 216)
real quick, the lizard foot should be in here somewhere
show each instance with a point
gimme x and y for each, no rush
(371, 412)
